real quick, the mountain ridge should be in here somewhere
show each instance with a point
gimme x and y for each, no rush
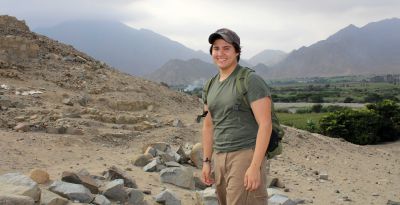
(135, 51)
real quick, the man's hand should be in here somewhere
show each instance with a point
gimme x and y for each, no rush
(252, 178)
(206, 174)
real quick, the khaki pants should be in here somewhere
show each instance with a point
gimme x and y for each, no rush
(230, 169)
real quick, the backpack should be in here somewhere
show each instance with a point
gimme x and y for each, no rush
(275, 144)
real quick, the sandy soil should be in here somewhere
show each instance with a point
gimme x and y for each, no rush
(356, 174)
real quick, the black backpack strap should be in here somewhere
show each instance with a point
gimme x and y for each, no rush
(242, 84)
(206, 88)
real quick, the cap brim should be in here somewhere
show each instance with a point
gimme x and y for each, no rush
(216, 36)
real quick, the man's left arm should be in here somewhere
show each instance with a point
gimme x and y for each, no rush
(262, 113)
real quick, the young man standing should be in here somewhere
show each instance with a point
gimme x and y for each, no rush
(235, 136)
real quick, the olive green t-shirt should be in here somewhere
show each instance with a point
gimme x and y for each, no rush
(234, 125)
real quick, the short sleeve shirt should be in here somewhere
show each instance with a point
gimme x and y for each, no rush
(234, 124)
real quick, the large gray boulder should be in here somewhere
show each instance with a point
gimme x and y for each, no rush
(74, 192)
(50, 198)
(114, 190)
(135, 197)
(11, 199)
(19, 184)
(117, 173)
(207, 197)
(196, 155)
(101, 200)
(168, 198)
(278, 199)
(179, 176)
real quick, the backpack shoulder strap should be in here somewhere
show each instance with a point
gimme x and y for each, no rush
(242, 83)
(207, 86)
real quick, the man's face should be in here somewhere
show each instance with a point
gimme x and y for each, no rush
(224, 54)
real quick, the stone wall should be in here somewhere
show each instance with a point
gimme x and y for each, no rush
(14, 49)
(10, 25)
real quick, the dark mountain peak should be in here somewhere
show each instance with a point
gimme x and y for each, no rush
(346, 32)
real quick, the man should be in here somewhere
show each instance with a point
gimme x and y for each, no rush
(235, 136)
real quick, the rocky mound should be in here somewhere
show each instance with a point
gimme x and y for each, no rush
(47, 86)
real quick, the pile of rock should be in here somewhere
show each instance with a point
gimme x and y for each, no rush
(115, 186)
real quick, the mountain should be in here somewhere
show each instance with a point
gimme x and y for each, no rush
(268, 57)
(372, 49)
(181, 72)
(130, 50)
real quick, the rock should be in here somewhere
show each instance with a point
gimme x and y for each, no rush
(70, 177)
(24, 127)
(278, 199)
(168, 198)
(74, 192)
(179, 176)
(116, 173)
(196, 155)
(272, 191)
(199, 184)
(114, 190)
(39, 176)
(67, 101)
(390, 202)
(177, 123)
(152, 166)
(101, 200)
(142, 159)
(89, 183)
(279, 183)
(50, 198)
(207, 197)
(165, 157)
(19, 184)
(161, 146)
(172, 164)
(135, 197)
(271, 182)
(181, 152)
(11, 199)
(323, 175)
(151, 150)
(85, 179)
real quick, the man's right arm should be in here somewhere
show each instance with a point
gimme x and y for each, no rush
(207, 141)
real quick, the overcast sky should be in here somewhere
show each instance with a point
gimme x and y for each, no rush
(261, 24)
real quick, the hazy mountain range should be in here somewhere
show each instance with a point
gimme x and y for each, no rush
(130, 50)
(371, 49)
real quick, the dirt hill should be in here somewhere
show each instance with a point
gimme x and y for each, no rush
(62, 110)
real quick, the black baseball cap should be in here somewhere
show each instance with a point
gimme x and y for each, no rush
(226, 34)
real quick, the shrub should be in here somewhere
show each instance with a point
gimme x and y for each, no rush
(311, 126)
(356, 126)
(317, 108)
(348, 100)
(389, 111)
(379, 122)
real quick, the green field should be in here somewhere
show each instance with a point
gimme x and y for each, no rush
(300, 120)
